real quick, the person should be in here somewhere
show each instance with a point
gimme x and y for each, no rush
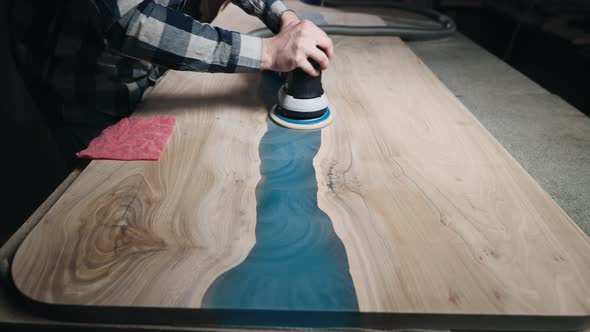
(88, 63)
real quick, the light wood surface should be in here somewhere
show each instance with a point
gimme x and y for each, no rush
(9, 248)
(434, 215)
(415, 185)
(192, 214)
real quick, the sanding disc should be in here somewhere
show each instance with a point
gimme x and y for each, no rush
(310, 124)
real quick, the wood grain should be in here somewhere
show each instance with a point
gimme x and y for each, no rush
(416, 186)
(156, 233)
(434, 215)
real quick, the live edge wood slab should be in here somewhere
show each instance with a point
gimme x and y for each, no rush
(404, 212)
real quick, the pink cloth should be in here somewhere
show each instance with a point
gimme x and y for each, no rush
(132, 139)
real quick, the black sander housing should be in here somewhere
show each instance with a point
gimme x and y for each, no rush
(302, 103)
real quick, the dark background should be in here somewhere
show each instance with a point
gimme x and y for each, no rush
(31, 165)
(547, 40)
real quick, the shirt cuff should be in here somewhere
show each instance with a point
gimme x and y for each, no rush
(247, 51)
(275, 11)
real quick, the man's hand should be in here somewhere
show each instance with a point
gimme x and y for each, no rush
(288, 18)
(291, 48)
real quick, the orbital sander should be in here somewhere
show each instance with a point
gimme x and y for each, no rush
(302, 104)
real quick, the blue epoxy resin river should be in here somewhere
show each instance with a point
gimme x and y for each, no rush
(298, 261)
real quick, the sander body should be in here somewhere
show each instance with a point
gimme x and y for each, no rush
(302, 103)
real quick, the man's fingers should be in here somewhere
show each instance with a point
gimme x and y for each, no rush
(325, 43)
(318, 51)
(321, 38)
(320, 57)
(309, 69)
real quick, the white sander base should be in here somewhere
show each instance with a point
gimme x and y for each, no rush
(310, 124)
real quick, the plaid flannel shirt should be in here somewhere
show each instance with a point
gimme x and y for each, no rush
(89, 62)
(162, 35)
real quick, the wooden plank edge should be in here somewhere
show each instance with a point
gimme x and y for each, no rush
(284, 319)
(9, 248)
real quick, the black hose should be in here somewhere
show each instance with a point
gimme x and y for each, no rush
(447, 25)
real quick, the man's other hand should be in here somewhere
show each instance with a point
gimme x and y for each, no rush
(298, 41)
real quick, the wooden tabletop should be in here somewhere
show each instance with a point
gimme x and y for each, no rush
(404, 206)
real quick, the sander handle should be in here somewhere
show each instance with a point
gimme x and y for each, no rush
(301, 85)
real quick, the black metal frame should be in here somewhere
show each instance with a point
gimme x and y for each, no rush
(225, 318)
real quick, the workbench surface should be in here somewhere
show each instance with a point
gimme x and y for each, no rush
(427, 186)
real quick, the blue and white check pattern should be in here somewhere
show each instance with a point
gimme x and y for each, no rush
(158, 33)
(88, 63)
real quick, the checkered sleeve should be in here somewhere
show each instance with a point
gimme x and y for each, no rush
(269, 11)
(161, 35)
